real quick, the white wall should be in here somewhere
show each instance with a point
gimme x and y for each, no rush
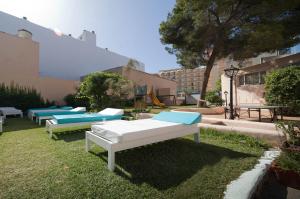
(64, 56)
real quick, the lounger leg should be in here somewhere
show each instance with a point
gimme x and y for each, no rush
(40, 122)
(87, 144)
(111, 160)
(196, 138)
(50, 133)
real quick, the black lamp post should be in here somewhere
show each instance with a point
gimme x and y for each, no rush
(231, 72)
(225, 93)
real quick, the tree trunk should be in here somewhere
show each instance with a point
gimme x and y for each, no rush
(207, 71)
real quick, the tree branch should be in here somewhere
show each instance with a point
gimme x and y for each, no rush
(234, 12)
(216, 15)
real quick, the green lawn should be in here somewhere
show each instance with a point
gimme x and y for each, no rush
(34, 166)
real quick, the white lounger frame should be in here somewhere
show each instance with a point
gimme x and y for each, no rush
(31, 116)
(1, 123)
(50, 125)
(112, 148)
(39, 119)
(4, 115)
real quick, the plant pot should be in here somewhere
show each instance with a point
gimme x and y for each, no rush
(287, 178)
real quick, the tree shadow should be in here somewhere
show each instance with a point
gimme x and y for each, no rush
(167, 164)
(18, 124)
(70, 136)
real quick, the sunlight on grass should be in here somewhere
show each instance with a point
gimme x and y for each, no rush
(34, 166)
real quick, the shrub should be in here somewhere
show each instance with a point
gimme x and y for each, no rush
(21, 97)
(291, 132)
(283, 88)
(105, 90)
(75, 100)
(214, 98)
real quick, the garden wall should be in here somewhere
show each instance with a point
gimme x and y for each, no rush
(19, 64)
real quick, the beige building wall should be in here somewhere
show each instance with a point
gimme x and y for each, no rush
(249, 94)
(161, 86)
(255, 93)
(56, 89)
(141, 78)
(19, 64)
(19, 60)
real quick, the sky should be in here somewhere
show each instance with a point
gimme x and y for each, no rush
(127, 27)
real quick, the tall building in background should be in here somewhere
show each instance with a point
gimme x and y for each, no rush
(191, 80)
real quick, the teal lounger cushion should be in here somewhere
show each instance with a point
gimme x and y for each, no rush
(179, 117)
(88, 117)
(66, 107)
(44, 114)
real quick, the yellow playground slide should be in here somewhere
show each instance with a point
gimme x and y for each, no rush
(155, 100)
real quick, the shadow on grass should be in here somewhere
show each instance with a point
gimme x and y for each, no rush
(170, 163)
(70, 136)
(18, 124)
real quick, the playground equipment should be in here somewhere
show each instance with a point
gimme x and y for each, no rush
(141, 95)
(155, 100)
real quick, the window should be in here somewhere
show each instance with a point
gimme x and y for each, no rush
(252, 78)
(262, 77)
(242, 80)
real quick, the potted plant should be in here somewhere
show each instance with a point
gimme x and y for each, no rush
(287, 169)
(287, 166)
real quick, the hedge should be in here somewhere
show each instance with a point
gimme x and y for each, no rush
(21, 97)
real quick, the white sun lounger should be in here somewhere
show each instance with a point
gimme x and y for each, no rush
(50, 114)
(120, 135)
(31, 112)
(82, 119)
(10, 111)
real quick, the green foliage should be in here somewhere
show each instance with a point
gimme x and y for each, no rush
(289, 161)
(199, 32)
(105, 90)
(291, 132)
(21, 97)
(214, 98)
(283, 87)
(219, 85)
(239, 28)
(76, 100)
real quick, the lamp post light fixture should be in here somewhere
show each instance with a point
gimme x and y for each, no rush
(226, 93)
(231, 72)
